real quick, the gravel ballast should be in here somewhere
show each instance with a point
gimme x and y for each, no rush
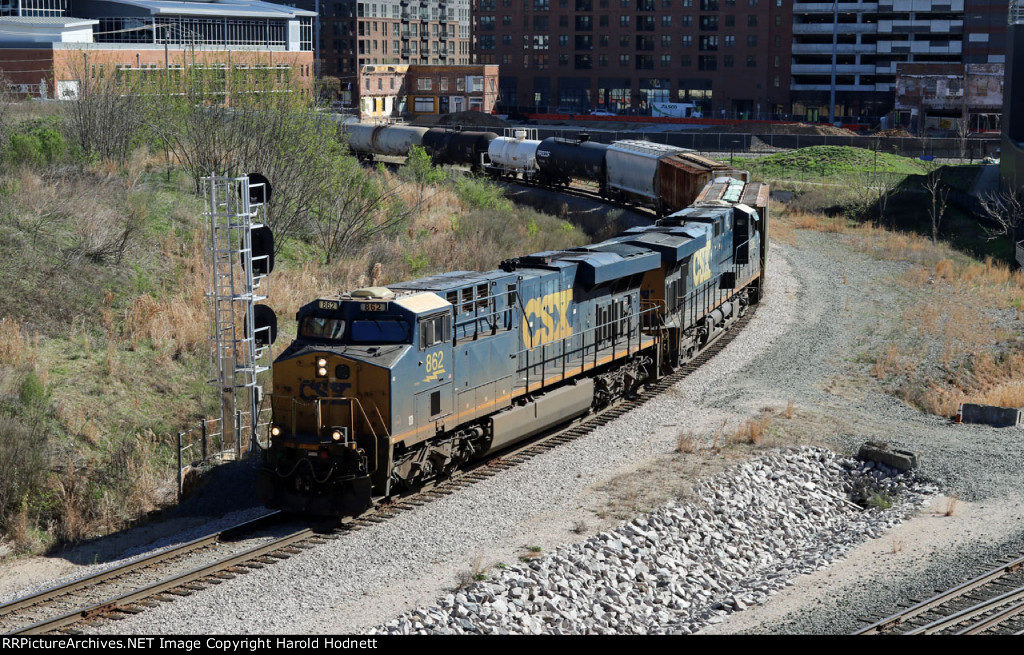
(679, 568)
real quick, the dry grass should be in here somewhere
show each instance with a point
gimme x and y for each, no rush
(751, 431)
(951, 506)
(687, 442)
(951, 314)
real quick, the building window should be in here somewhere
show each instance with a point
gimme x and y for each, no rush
(751, 61)
(752, 20)
(624, 21)
(424, 84)
(752, 41)
(727, 61)
(687, 41)
(623, 60)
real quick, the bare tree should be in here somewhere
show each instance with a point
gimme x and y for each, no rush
(1005, 210)
(6, 101)
(938, 192)
(963, 131)
(355, 207)
(270, 127)
(107, 117)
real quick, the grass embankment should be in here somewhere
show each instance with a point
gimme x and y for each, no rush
(104, 323)
(832, 164)
(957, 334)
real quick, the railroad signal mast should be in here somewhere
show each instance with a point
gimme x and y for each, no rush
(242, 256)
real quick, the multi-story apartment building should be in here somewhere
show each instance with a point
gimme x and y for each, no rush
(354, 34)
(621, 55)
(872, 38)
(47, 47)
(735, 58)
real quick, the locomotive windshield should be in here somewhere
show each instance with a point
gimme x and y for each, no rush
(322, 328)
(380, 331)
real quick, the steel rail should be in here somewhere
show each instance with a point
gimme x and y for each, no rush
(1005, 615)
(117, 571)
(893, 621)
(969, 613)
(117, 603)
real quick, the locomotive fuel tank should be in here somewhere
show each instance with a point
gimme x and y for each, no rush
(562, 160)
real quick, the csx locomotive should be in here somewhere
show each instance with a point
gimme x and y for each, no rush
(384, 389)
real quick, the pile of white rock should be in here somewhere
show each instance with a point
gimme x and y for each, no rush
(756, 527)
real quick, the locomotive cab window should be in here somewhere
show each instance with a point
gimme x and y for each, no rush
(322, 328)
(434, 330)
(380, 331)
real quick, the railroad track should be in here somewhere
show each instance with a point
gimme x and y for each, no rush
(992, 603)
(131, 588)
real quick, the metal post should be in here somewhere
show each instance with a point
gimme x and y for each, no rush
(179, 466)
(835, 41)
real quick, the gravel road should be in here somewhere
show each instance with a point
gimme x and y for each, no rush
(826, 305)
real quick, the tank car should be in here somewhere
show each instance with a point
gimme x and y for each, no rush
(513, 155)
(366, 140)
(384, 389)
(457, 147)
(559, 161)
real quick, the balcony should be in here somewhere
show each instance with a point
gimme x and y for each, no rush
(405, 35)
(826, 69)
(826, 7)
(920, 26)
(826, 28)
(826, 48)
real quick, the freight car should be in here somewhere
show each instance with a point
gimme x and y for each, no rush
(365, 141)
(447, 146)
(384, 389)
(661, 177)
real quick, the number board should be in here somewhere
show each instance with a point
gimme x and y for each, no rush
(374, 306)
(328, 304)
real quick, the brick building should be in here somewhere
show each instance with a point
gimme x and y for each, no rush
(354, 34)
(394, 90)
(47, 47)
(733, 58)
(622, 55)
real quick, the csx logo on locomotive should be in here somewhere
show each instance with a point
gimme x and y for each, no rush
(702, 265)
(310, 390)
(552, 314)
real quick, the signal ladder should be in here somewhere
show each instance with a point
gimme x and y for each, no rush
(234, 205)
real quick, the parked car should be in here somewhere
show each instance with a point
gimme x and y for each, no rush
(602, 112)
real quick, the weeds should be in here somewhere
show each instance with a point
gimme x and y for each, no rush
(951, 506)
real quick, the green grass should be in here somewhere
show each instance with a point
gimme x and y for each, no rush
(833, 162)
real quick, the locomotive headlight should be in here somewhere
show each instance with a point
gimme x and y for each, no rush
(322, 362)
(321, 372)
(275, 431)
(321, 367)
(336, 435)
